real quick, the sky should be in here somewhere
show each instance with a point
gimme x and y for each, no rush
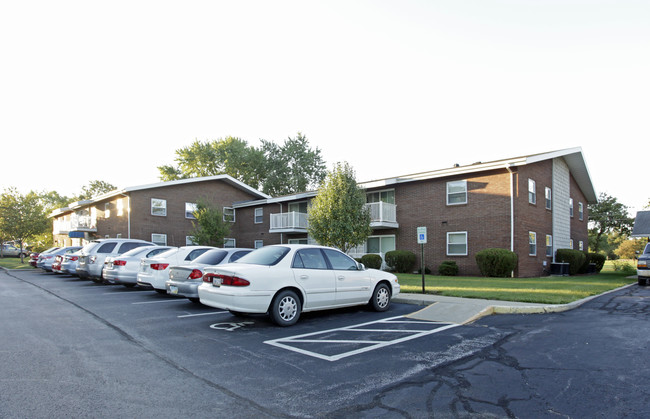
(108, 91)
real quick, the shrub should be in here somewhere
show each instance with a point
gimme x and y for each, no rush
(371, 261)
(598, 259)
(448, 268)
(496, 262)
(401, 261)
(575, 259)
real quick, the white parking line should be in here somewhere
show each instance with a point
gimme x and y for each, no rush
(372, 344)
(202, 314)
(161, 301)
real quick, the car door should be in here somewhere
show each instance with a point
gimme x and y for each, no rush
(353, 286)
(312, 273)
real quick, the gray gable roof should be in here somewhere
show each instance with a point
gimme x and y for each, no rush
(641, 224)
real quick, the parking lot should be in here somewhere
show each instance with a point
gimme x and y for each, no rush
(81, 349)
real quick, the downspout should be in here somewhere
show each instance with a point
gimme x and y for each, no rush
(512, 213)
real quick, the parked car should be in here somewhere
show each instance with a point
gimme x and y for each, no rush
(11, 250)
(286, 280)
(154, 271)
(69, 263)
(46, 260)
(642, 268)
(91, 261)
(123, 269)
(184, 280)
(33, 258)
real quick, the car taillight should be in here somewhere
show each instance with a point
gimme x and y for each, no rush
(233, 281)
(119, 262)
(47, 257)
(196, 274)
(159, 266)
(73, 258)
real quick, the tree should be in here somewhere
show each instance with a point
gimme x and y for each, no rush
(93, 189)
(22, 217)
(338, 216)
(210, 229)
(275, 169)
(628, 249)
(605, 217)
(292, 167)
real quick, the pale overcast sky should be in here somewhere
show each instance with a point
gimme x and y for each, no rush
(109, 90)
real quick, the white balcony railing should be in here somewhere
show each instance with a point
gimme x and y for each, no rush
(77, 222)
(382, 212)
(289, 221)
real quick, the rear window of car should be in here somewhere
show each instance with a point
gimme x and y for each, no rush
(168, 253)
(265, 256)
(126, 246)
(213, 257)
(106, 247)
(195, 254)
(237, 255)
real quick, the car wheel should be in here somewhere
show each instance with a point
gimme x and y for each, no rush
(159, 291)
(97, 280)
(381, 298)
(643, 281)
(196, 300)
(129, 285)
(285, 309)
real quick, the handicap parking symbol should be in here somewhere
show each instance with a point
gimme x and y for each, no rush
(229, 327)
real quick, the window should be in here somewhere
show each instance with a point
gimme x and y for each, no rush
(298, 241)
(229, 214)
(457, 243)
(581, 212)
(571, 207)
(229, 243)
(190, 209)
(580, 246)
(159, 207)
(532, 243)
(457, 192)
(107, 210)
(381, 196)
(532, 193)
(309, 259)
(189, 241)
(258, 244)
(340, 261)
(159, 239)
(549, 246)
(571, 244)
(107, 247)
(259, 215)
(547, 197)
(120, 207)
(380, 244)
(298, 207)
(118, 236)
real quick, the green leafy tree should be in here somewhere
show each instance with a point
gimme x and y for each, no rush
(628, 249)
(338, 216)
(209, 229)
(605, 217)
(292, 167)
(275, 169)
(22, 217)
(230, 156)
(93, 189)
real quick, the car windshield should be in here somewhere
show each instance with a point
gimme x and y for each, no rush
(136, 251)
(647, 249)
(266, 256)
(90, 246)
(169, 253)
(211, 257)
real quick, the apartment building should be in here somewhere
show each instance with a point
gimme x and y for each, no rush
(532, 205)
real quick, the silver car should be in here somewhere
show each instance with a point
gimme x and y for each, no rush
(184, 280)
(45, 260)
(123, 269)
(70, 262)
(91, 261)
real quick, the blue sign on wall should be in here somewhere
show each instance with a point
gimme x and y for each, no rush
(76, 234)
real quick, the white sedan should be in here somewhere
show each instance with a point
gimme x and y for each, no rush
(285, 280)
(154, 271)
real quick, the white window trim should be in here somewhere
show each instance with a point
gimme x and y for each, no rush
(466, 243)
(548, 198)
(120, 207)
(529, 243)
(581, 211)
(261, 209)
(189, 241)
(464, 182)
(161, 235)
(227, 240)
(258, 244)
(532, 199)
(163, 207)
(107, 210)
(549, 245)
(571, 207)
(191, 216)
(233, 214)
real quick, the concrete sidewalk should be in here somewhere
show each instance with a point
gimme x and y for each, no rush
(466, 310)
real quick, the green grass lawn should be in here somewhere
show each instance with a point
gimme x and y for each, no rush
(14, 263)
(549, 289)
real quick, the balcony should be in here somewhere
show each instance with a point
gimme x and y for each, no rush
(382, 215)
(289, 222)
(77, 222)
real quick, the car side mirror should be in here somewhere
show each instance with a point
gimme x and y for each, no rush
(361, 266)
